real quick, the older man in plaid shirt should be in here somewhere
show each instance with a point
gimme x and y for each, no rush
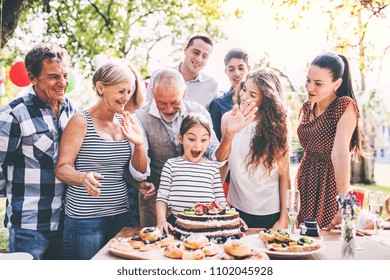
(30, 130)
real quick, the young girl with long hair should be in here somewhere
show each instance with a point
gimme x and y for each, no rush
(259, 158)
(190, 178)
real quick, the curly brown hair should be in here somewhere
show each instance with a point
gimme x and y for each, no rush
(270, 140)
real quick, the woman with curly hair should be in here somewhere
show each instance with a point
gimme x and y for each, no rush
(259, 157)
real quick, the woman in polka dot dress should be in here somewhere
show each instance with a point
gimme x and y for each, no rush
(328, 132)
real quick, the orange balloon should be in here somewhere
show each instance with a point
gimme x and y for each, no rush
(18, 74)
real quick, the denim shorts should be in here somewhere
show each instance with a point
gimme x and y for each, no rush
(83, 238)
(42, 245)
(255, 221)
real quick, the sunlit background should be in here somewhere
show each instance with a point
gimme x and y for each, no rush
(284, 35)
(265, 31)
(292, 50)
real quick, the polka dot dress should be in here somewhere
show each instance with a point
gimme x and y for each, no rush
(315, 178)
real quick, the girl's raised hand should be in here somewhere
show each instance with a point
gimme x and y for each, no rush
(240, 117)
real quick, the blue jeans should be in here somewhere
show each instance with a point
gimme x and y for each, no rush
(42, 245)
(83, 238)
(133, 204)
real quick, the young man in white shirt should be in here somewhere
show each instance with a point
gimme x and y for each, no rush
(200, 88)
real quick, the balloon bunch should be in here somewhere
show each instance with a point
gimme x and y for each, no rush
(18, 75)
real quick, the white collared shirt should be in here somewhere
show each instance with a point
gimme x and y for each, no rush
(173, 129)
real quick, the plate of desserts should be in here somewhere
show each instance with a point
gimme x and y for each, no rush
(150, 244)
(206, 231)
(279, 243)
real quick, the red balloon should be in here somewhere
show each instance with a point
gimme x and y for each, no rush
(18, 74)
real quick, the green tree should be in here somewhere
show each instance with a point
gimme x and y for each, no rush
(10, 11)
(348, 30)
(131, 29)
(120, 28)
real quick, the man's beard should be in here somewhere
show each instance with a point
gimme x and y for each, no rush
(170, 118)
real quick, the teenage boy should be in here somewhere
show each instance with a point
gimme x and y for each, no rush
(236, 68)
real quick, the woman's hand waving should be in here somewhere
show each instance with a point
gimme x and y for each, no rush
(131, 130)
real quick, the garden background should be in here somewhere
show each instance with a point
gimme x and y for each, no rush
(284, 35)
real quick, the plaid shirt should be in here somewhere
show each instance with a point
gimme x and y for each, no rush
(29, 137)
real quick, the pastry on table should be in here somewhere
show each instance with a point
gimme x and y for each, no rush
(166, 239)
(193, 255)
(174, 251)
(150, 234)
(237, 249)
(281, 241)
(257, 255)
(195, 241)
(150, 247)
(211, 249)
(136, 242)
(121, 244)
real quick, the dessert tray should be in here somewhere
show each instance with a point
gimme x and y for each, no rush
(138, 255)
(256, 242)
(152, 245)
(158, 254)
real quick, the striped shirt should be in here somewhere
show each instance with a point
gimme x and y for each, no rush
(109, 158)
(29, 136)
(184, 183)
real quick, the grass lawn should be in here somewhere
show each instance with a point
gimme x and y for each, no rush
(3, 231)
(382, 184)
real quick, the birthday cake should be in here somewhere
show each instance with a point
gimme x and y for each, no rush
(211, 220)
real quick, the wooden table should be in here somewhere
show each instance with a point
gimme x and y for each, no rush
(369, 247)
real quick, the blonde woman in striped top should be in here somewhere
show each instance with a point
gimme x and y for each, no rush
(95, 149)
